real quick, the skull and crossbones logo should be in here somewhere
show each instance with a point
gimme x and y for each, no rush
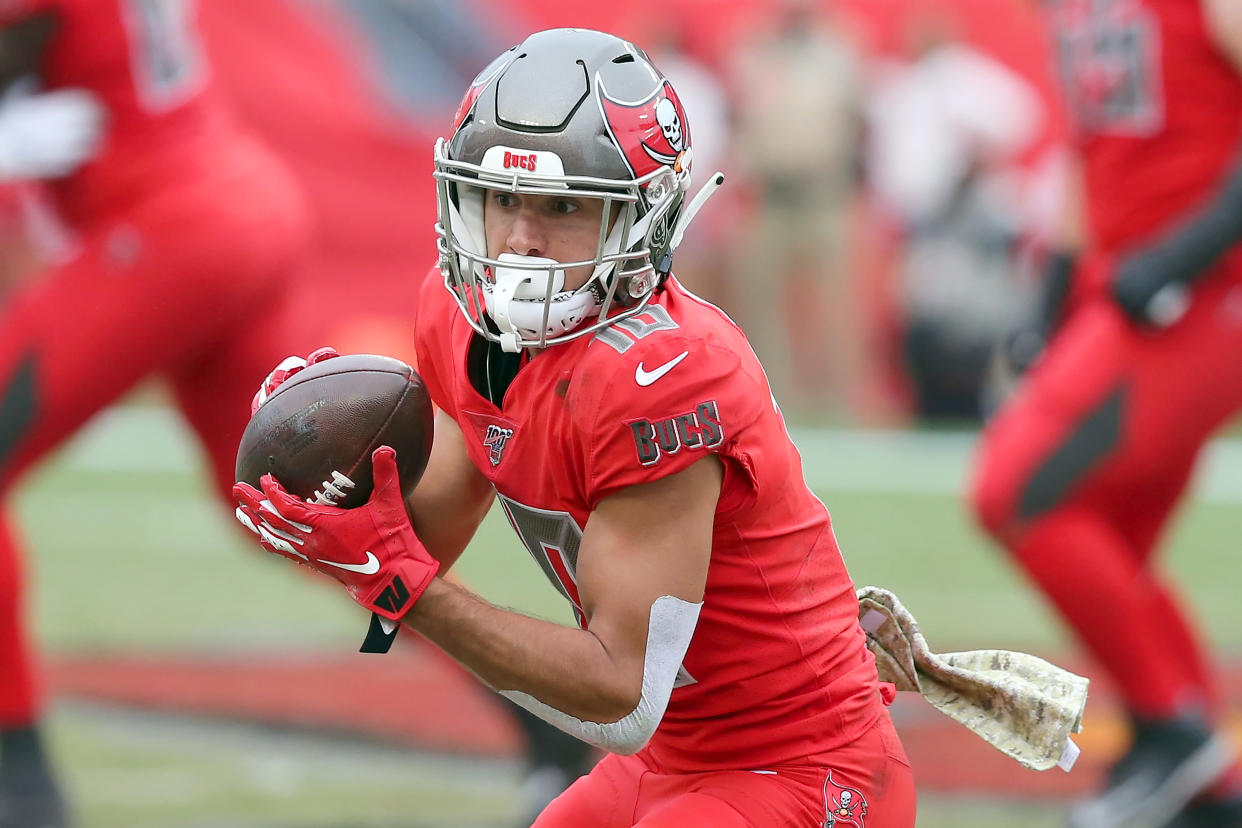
(844, 805)
(670, 123)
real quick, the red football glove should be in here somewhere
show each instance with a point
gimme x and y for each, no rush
(287, 368)
(372, 549)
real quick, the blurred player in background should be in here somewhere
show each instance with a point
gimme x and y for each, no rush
(631, 437)
(307, 80)
(180, 233)
(357, 148)
(1080, 473)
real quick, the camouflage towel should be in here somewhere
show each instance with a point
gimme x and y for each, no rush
(1021, 705)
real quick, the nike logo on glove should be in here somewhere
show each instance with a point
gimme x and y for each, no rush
(645, 378)
(369, 568)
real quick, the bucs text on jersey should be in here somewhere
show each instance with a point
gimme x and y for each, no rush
(778, 669)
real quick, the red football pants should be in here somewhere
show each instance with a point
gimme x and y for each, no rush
(867, 784)
(1079, 473)
(187, 285)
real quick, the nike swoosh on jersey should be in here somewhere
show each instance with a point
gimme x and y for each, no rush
(369, 568)
(645, 378)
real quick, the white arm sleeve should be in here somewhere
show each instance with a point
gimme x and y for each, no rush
(669, 631)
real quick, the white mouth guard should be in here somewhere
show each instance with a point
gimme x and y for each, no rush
(518, 297)
(510, 283)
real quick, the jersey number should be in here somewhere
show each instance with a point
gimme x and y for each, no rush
(636, 327)
(165, 52)
(552, 539)
(1109, 56)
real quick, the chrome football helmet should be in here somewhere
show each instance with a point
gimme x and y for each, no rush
(568, 112)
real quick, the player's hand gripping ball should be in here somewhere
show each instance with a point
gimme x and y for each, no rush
(315, 427)
(331, 453)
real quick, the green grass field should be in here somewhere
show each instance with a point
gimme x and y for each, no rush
(130, 554)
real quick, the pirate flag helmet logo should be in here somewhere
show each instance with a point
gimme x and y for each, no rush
(650, 132)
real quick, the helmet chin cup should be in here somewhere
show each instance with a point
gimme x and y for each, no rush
(536, 282)
(528, 282)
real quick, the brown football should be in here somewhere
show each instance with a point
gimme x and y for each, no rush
(317, 431)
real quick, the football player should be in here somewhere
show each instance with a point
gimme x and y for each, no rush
(181, 231)
(1079, 474)
(364, 244)
(629, 433)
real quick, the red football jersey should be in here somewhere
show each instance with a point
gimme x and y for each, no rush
(1158, 108)
(778, 668)
(144, 60)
